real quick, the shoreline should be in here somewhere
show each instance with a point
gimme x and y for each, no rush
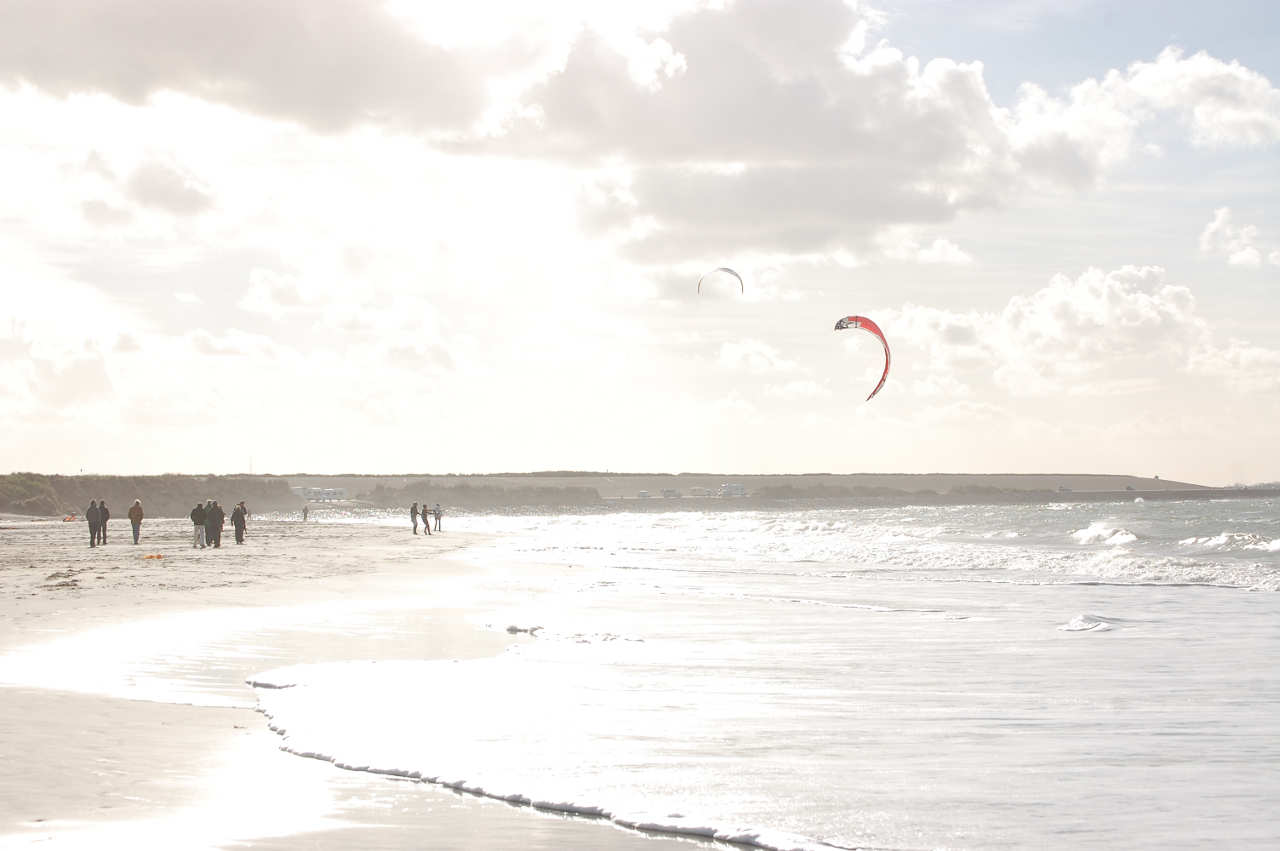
(171, 495)
(113, 743)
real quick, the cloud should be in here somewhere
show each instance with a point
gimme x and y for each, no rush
(103, 214)
(903, 244)
(1115, 332)
(781, 131)
(328, 65)
(755, 357)
(1224, 103)
(1247, 367)
(272, 294)
(166, 188)
(1236, 243)
(233, 343)
(805, 388)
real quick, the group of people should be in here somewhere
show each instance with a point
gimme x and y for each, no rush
(207, 521)
(427, 515)
(97, 514)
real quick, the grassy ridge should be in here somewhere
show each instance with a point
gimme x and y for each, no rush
(162, 496)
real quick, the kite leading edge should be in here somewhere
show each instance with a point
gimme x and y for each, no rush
(872, 328)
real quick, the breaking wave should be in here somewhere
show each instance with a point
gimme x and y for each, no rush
(1099, 532)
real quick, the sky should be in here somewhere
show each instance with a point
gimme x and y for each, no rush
(383, 237)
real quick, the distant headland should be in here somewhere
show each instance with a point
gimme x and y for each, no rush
(173, 495)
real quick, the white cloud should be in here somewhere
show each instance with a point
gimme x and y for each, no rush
(1236, 243)
(836, 142)
(167, 188)
(903, 244)
(330, 65)
(1224, 103)
(272, 294)
(1246, 367)
(805, 388)
(1101, 333)
(755, 357)
(944, 251)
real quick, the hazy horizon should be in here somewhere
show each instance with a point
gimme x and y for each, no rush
(636, 474)
(377, 235)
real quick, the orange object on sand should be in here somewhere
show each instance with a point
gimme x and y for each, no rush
(154, 555)
(70, 518)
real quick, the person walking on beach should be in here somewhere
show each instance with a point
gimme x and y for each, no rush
(135, 518)
(238, 515)
(103, 516)
(213, 524)
(208, 522)
(413, 515)
(91, 514)
(426, 524)
(197, 520)
(436, 512)
(304, 513)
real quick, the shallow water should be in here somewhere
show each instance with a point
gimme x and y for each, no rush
(956, 676)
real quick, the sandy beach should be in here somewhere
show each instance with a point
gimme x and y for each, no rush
(126, 720)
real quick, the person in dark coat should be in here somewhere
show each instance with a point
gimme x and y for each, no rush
(208, 522)
(92, 515)
(135, 518)
(214, 518)
(238, 515)
(197, 522)
(103, 516)
(413, 515)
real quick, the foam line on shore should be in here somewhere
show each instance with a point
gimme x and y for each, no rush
(745, 837)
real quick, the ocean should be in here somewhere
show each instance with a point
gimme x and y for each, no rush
(1007, 676)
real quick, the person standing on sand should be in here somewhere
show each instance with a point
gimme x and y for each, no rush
(413, 515)
(91, 514)
(197, 520)
(103, 516)
(436, 512)
(237, 521)
(213, 522)
(304, 514)
(208, 522)
(426, 524)
(135, 518)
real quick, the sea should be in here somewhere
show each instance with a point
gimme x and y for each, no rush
(959, 676)
(1058, 675)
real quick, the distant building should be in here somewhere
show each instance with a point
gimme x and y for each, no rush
(321, 494)
(729, 489)
(699, 492)
(642, 495)
(670, 493)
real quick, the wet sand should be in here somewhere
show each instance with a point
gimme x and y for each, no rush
(109, 745)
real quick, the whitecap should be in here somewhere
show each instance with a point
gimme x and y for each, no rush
(1087, 623)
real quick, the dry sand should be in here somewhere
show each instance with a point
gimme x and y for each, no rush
(105, 744)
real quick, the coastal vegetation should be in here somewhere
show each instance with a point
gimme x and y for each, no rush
(162, 496)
